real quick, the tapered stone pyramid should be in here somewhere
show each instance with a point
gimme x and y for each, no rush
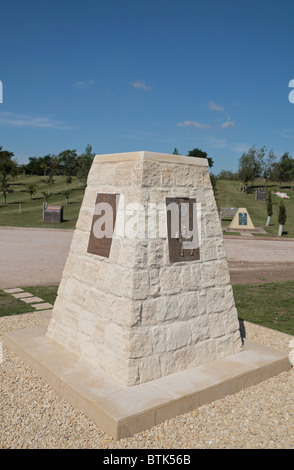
(146, 301)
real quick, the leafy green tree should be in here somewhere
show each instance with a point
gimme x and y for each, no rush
(39, 165)
(250, 165)
(269, 207)
(175, 152)
(68, 181)
(84, 163)
(49, 181)
(67, 193)
(7, 166)
(282, 217)
(68, 162)
(46, 196)
(213, 179)
(284, 170)
(268, 165)
(201, 154)
(5, 186)
(31, 189)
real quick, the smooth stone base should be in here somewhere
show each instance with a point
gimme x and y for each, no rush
(124, 411)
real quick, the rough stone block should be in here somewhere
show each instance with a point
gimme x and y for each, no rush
(133, 312)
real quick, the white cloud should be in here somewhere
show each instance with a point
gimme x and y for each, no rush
(228, 123)
(198, 125)
(288, 133)
(215, 106)
(140, 84)
(240, 148)
(22, 120)
(215, 143)
(84, 84)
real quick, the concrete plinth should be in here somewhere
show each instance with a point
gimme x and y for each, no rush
(123, 411)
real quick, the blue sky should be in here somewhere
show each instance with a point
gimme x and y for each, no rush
(147, 75)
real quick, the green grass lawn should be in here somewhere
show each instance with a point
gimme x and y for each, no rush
(228, 195)
(269, 304)
(32, 209)
(12, 306)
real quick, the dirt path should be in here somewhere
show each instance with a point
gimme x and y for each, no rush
(37, 256)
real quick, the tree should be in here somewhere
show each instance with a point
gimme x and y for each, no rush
(49, 181)
(200, 154)
(46, 196)
(7, 166)
(39, 165)
(67, 194)
(284, 170)
(250, 165)
(84, 163)
(68, 181)
(269, 207)
(31, 189)
(68, 162)
(5, 187)
(175, 152)
(268, 165)
(213, 179)
(282, 217)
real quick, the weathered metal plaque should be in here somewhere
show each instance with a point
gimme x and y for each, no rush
(103, 224)
(182, 229)
(242, 218)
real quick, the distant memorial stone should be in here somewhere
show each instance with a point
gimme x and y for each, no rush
(53, 214)
(242, 220)
(260, 194)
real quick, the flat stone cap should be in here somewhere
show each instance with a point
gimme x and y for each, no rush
(151, 156)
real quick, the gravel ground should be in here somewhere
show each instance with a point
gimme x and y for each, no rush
(34, 417)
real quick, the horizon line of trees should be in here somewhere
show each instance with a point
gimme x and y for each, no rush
(261, 163)
(253, 164)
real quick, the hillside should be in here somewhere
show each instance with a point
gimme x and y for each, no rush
(228, 194)
(31, 209)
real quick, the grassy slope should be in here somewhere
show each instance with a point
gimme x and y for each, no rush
(228, 195)
(31, 215)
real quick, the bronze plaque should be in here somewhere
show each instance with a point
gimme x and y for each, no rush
(103, 224)
(182, 229)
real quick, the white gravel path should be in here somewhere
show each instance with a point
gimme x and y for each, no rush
(33, 416)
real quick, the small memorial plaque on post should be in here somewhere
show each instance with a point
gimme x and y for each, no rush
(53, 214)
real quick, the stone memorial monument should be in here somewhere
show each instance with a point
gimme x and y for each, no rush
(242, 220)
(144, 326)
(144, 302)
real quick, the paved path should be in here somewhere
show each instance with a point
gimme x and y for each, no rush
(30, 257)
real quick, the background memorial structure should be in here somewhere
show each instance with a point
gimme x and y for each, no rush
(144, 326)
